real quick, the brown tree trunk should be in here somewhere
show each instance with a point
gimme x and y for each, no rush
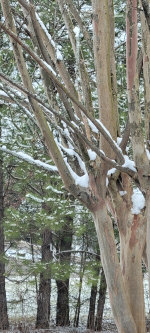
(117, 293)
(43, 299)
(101, 302)
(131, 250)
(132, 232)
(91, 315)
(64, 247)
(62, 312)
(4, 324)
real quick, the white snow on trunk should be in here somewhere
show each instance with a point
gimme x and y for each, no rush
(138, 201)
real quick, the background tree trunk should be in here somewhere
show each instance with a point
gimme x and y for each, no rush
(101, 302)
(43, 300)
(62, 311)
(91, 315)
(65, 244)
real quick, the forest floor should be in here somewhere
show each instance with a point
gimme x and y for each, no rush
(108, 327)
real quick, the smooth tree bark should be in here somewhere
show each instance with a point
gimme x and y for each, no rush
(83, 148)
(44, 292)
(4, 324)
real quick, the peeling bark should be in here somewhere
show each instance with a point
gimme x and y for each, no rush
(117, 292)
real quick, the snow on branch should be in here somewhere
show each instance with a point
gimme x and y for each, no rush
(127, 167)
(71, 152)
(46, 67)
(27, 158)
(82, 181)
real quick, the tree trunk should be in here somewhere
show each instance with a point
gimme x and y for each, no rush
(117, 292)
(101, 302)
(91, 315)
(131, 250)
(62, 312)
(78, 305)
(43, 300)
(64, 246)
(4, 324)
(132, 232)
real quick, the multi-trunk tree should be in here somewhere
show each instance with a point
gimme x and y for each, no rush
(77, 114)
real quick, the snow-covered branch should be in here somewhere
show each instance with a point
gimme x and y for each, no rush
(27, 158)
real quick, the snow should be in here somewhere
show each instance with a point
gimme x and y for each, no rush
(92, 155)
(71, 152)
(58, 53)
(138, 201)
(33, 197)
(45, 30)
(76, 31)
(93, 127)
(29, 159)
(129, 163)
(73, 123)
(79, 180)
(87, 8)
(49, 67)
(50, 187)
(122, 193)
(108, 134)
(2, 93)
(148, 153)
(104, 128)
(107, 181)
(119, 140)
(111, 171)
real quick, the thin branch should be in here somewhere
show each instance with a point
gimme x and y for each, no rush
(77, 17)
(49, 44)
(27, 158)
(76, 130)
(78, 251)
(80, 105)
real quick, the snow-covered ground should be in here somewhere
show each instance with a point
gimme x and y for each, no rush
(21, 291)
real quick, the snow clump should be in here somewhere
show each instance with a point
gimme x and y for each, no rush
(138, 201)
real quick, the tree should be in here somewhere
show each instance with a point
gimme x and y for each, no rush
(101, 302)
(43, 300)
(63, 247)
(83, 147)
